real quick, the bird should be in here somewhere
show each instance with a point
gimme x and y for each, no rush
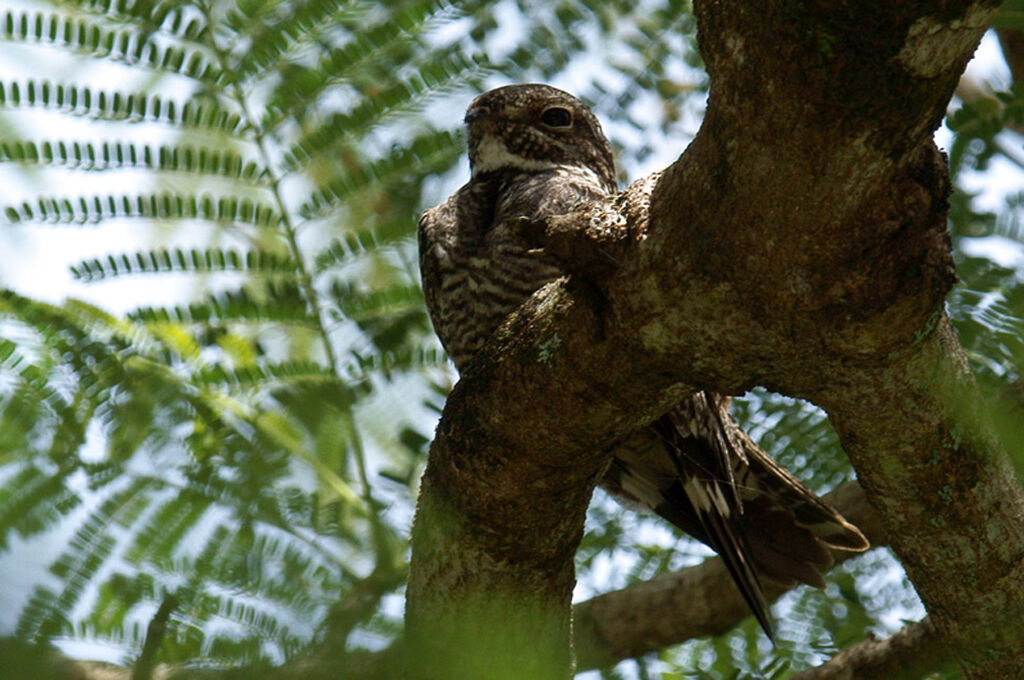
(536, 151)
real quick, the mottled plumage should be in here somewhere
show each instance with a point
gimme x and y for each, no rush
(536, 151)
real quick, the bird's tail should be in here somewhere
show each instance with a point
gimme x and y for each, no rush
(705, 475)
(789, 528)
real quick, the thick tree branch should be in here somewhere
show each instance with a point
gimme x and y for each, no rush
(508, 481)
(910, 654)
(949, 498)
(799, 243)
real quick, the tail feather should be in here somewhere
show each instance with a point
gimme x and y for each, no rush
(767, 479)
(717, 517)
(697, 469)
(791, 554)
(707, 488)
(732, 547)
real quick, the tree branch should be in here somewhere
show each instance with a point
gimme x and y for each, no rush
(950, 500)
(799, 243)
(1011, 40)
(155, 633)
(508, 481)
(911, 653)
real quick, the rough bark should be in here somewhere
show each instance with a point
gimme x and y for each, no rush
(951, 502)
(799, 243)
(910, 654)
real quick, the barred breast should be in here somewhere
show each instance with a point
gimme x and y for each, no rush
(479, 292)
(476, 270)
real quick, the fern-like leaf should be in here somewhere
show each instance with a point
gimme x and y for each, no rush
(178, 260)
(396, 31)
(435, 149)
(165, 531)
(361, 306)
(411, 359)
(284, 304)
(263, 374)
(95, 209)
(86, 552)
(358, 243)
(273, 37)
(429, 81)
(148, 15)
(129, 46)
(85, 101)
(118, 155)
(32, 501)
(32, 379)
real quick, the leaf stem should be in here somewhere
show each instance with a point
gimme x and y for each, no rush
(290, 232)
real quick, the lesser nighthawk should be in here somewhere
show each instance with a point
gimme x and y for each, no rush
(536, 151)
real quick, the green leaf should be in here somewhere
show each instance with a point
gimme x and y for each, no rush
(430, 150)
(96, 209)
(178, 260)
(263, 374)
(129, 46)
(282, 303)
(117, 156)
(429, 82)
(85, 101)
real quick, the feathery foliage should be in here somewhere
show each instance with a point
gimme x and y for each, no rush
(247, 452)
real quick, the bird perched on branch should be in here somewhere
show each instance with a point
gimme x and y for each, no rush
(536, 151)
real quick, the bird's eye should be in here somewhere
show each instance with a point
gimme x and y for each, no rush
(557, 117)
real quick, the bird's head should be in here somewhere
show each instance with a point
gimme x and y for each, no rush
(535, 127)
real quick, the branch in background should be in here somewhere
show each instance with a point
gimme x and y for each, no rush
(970, 90)
(155, 633)
(359, 604)
(1012, 42)
(908, 655)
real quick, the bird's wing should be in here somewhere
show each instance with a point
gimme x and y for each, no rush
(436, 233)
(427, 232)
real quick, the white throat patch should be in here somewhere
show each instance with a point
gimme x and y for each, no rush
(492, 154)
